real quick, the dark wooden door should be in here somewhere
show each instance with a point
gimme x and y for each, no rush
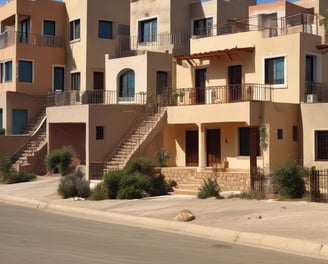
(191, 148)
(98, 87)
(200, 84)
(213, 147)
(235, 79)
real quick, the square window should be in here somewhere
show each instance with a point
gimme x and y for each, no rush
(25, 71)
(105, 29)
(148, 30)
(49, 28)
(280, 134)
(203, 27)
(74, 27)
(275, 70)
(321, 145)
(76, 81)
(100, 133)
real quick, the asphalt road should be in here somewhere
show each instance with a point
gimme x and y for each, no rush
(32, 236)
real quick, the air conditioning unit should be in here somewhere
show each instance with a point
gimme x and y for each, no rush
(311, 98)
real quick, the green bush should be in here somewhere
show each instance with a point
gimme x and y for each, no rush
(2, 131)
(17, 176)
(252, 195)
(112, 181)
(130, 186)
(162, 156)
(98, 193)
(290, 177)
(140, 164)
(74, 185)
(60, 160)
(210, 188)
(5, 163)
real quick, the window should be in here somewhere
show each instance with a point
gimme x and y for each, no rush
(280, 134)
(321, 145)
(99, 133)
(58, 78)
(49, 28)
(127, 84)
(74, 27)
(148, 30)
(25, 71)
(105, 29)
(203, 26)
(75, 81)
(6, 71)
(275, 70)
(244, 141)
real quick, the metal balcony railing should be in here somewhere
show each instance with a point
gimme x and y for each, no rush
(10, 38)
(222, 94)
(316, 92)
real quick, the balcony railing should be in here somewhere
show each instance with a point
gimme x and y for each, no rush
(302, 22)
(94, 97)
(10, 38)
(222, 94)
(316, 92)
(178, 40)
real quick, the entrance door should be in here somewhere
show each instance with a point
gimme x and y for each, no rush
(235, 78)
(191, 148)
(19, 121)
(98, 87)
(213, 147)
(200, 84)
(59, 79)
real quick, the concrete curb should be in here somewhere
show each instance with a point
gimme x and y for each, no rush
(289, 245)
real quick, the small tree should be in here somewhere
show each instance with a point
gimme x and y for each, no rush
(162, 156)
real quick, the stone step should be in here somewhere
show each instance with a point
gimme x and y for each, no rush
(185, 191)
(189, 186)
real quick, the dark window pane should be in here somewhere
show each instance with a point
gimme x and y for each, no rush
(275, 70)
(99, 132)
(105, 29)
(25, 71)
(244, 141)
(321, 145)
(49, 28)
(59, 73)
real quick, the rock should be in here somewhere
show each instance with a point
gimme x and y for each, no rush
(185, 216)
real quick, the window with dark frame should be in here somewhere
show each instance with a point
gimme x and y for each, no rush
(75, 81)
(280, 134)
(321, 145)
(25, 71)
(244, 142)
(74, 27)
(148, 30)
(49, 28)
(100, 133)
(275, 70)
(127, 85)
(203, 26)
(6, 71)
(105, 29)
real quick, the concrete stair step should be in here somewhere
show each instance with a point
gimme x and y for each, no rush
(185, 191)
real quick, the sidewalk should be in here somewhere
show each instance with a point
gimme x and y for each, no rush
(298, 227)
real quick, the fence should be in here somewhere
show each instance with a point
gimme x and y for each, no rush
(319, 185)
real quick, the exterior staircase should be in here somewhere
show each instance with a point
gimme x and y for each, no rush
(30, 157)
(131, 143)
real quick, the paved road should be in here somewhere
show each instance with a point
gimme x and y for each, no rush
(33, 236)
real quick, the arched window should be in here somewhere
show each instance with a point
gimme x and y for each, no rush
(127, 86)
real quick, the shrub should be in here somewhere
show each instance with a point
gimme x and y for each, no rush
(290, 177)
(73, 185)
(5, 163)
(17, 176)
(2, 131)
(60, 160)
(210, 188)
(141, 165)
(98, 193)
(251, 195)
(130, 186)
(112, 181)
(162, 156)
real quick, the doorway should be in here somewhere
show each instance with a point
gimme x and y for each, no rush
(235, 79)
(192, 148)
(213, 147)
(200, 84)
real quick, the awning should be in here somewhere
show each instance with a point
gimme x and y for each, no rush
(228, 53)
(323, 48)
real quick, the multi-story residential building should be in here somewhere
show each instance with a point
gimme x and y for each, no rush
(238, 82)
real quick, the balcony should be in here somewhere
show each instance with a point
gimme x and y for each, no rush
(316, 92)
(10, 38)
(302, 22)
(93, 97)
(177, 40)
(246, 92)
